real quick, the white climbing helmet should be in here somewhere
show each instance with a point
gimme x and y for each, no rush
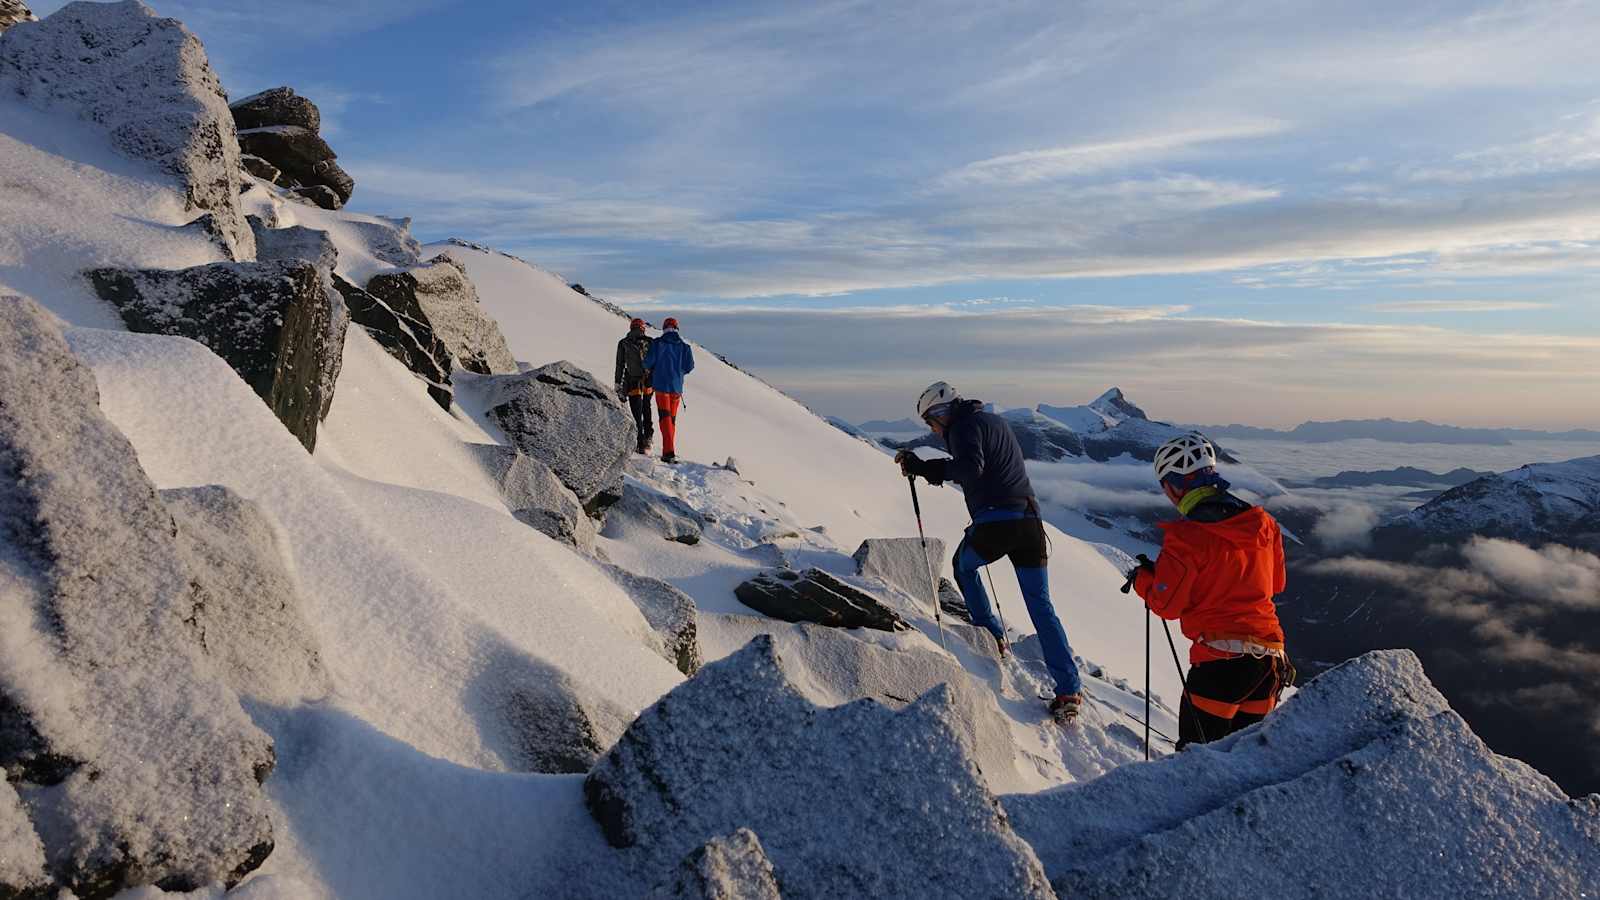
(1185, 454)
(936, 393)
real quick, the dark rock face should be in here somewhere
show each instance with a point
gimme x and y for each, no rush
(544, 720)
(281, 128)
(816, 596)
(1430, 810)
(669, 611)
(536, 496)
(732, 867)
(562, 416)
(854, 801)
(951, 601)
(274, 322)
(151, 773)
(441, 294)
(276, 106)
(667, 516)
(147, 82)
(405, 337)
(259, 167)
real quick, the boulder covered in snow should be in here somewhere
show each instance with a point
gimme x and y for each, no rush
(133, 760)
(731, 867)
(815, 596)
(564, 417)
(147, 82)
(282, 128)
(444, 294)
(278, 323)
(668, 516)
(901, 562)
(22, 872)
(540, 719)
(1364, 784)
(855, 801)
(670, 612)
(536, 496)
(248, 610)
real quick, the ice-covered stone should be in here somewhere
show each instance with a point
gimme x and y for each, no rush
(134, 761)
(540, 719)
(147, 82)
(260, 168)
(304, 160)
(22, 872)
(536, 496)
(317, 195)
(1364, 784)
(562, 416)
(815, 596)
(855, 801)
(248, 613)
(731, 867)
(446, 296)
(278, 323)
(901, 562)
(670, 612)
(662, 514)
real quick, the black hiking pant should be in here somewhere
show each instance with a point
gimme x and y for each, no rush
(1225, 695)
(639, 405)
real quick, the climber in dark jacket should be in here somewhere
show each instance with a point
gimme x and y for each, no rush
(633, 381)
(986, 460)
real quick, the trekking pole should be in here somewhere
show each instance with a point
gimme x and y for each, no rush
(1148, 616)
(1182, 679)
(916, 507)
(997, 609)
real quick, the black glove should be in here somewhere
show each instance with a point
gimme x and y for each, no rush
(910, 464)
(622, 392)
(1145, 564)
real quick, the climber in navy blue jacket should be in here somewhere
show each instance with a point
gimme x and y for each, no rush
(986, 460)
(668, 360)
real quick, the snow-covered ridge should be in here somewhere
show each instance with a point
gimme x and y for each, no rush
(1540, 501)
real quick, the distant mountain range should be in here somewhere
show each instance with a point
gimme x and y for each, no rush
(1404, 476)
(1415, 432)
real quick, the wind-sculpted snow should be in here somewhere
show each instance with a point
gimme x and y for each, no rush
(146, 81)
(135, 763)
(248, 613)
(856, 801)
(734, 867)
(21, 855)
(1364, 784)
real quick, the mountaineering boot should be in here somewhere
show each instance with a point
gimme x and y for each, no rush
(1002, 645)
(1065, 707)
(669, 458)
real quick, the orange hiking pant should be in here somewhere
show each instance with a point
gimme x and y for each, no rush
(667, 411)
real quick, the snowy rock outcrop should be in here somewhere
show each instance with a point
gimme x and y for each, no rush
(733, 867)
(447, 300)
(815, 596)
(133, 761)
(856, 801)
(281, 128)
(248, 613)
(1534, 503)
(14, 11)
(670, 612)
(562, 416)
(147, 82)
(1364, 784)
(652, 511)
(900, 562)
(277, 323)
(22, 871)
(540, 719)
(536, 496)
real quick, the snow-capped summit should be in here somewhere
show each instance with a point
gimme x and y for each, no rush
(1113, 403)
(1112, 425)
(1537, 502)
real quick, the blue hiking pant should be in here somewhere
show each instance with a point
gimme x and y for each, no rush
(1021, 538)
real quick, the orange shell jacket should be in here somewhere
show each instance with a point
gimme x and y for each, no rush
(1218, 580)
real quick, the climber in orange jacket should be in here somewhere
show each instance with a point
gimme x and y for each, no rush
(1219, 568)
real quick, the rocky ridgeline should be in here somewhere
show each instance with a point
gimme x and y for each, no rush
(127, 756)
(14, 11)
(147, 82)
(281, 142)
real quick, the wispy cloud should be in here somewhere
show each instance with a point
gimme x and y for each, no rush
(1033, 166)
(1457, 306)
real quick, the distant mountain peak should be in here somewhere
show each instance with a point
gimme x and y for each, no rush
(1113, 403)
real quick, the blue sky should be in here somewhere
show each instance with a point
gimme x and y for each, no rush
(1244, 211)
